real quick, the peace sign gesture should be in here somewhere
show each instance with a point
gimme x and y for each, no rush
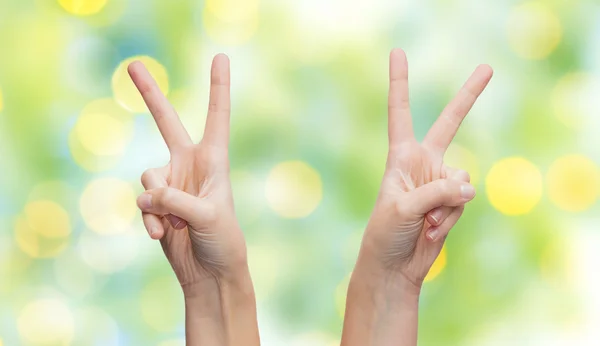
(193, 190)
(421, 198)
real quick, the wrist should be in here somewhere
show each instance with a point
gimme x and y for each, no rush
(381, 307)
(385, 270)
(223, 308)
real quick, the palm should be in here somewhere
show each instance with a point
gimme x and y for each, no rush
(214, 239)
(412, 164)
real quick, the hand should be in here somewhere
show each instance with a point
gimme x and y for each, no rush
(188, 205)
(421, 198)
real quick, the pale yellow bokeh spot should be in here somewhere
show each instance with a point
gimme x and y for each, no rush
(341, 292)
(104, 128)
(293, 189)
(125, 91)
(108, 205)
(232, 10)
(438, 266)
(575, 99)
(514, 186)
(534, 30)
(82, 7)
(459, 157)
(87, 160)
(160, 307)
(43, 230)
(573, 183)
(46, 322)
(96, 327)
(48, 219)
(230, 33)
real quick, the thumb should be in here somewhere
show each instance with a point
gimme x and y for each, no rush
(441, 192)
(167, 200)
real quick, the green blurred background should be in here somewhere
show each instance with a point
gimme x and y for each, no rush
(308, 149)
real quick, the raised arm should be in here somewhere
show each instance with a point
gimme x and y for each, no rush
(420, 200)
(188, 206)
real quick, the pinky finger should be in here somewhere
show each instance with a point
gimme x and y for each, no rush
(154, 225)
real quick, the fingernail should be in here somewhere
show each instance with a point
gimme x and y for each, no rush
(153, 231)
(145, 201)
(433, 233)
(467, 191)
(436, 215)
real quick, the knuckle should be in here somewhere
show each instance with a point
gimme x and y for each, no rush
(146, 176)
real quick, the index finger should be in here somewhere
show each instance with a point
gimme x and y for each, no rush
(216, 131)
(165, 116)
(444, 129)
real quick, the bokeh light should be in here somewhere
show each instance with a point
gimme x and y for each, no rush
(46, 322)
(534, 30)
(83, 7)
(110, 253)
(43, 230)
(514, 186)
(108, 205)
(293, 189)
(438, 266)
(104, 128)
(573, 183)
(231, 27)
(125, 91)
(575, 99)
(96, 327)
(73, 275)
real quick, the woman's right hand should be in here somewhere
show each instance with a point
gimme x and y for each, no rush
(188, 206)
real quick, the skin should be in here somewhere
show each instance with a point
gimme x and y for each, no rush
(188, 206)
(420, 200)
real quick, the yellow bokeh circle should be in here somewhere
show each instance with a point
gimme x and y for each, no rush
(125, 91)
(46, 322)
(43, 230)
(438, 266)
(573, 183)
(514, 186)
(108, 205)
(534, 30)
(236, 32)
(104, 128)
(82, 7)
(575, 99)
(232, 10)
(293, 189)
(48, 219)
